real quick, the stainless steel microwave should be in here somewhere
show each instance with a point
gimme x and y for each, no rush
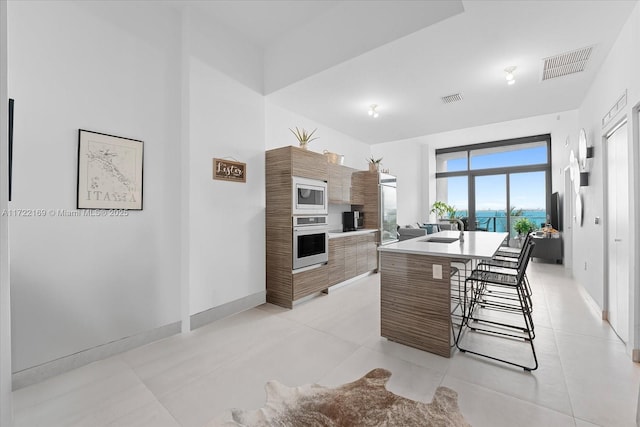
(309, 197)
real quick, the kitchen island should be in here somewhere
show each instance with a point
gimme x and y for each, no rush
(415, 285)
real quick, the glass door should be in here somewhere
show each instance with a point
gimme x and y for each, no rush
(489, 206)
(388, 212)
(527, 199)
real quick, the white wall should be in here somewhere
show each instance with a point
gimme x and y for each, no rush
(279, 120)
(81, 282)
(226, 238)
(620, 71)
(6, 411)
(404, 160)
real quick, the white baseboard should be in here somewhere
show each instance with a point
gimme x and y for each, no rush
(64, 364)
(228, 309)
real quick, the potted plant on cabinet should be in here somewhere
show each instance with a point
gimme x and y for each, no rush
(523, 226)
(304, 137)
(374, 164)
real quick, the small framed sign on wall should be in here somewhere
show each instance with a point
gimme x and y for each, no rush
(227, 170)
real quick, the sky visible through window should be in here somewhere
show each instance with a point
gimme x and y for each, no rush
(527, 189)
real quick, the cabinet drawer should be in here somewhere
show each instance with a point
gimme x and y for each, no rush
(310, 281)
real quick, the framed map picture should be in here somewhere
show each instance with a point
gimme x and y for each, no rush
(109, 171)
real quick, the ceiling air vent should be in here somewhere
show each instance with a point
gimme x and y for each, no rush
(451, 98)
(566, 63)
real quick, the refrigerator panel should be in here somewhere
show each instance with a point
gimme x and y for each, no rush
(388, 213)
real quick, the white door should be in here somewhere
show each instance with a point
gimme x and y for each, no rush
(567, 219)
(618, 231)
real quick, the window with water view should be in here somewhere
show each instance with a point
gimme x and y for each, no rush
(492, 185)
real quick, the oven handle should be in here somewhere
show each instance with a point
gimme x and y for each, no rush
(311, 229)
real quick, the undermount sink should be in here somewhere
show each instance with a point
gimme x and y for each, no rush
(441, 239)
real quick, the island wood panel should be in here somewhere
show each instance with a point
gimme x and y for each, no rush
(308, 164)
(414, 307)
(310, 281)
(336, 261)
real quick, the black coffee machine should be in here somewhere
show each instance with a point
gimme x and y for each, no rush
(352, 221)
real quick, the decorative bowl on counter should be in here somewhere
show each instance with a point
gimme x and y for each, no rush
(336, 159)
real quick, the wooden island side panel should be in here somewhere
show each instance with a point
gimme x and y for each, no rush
(415, 307)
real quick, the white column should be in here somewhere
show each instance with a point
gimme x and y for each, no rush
(6, 411)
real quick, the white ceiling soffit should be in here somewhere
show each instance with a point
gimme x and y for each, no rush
(345, 31)
(467, 54)
(565, 63)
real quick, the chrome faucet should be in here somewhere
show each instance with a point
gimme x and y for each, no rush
(461, 225)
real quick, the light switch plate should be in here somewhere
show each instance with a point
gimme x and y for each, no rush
(437, 271)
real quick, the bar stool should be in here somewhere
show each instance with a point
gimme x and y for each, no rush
(489, 290)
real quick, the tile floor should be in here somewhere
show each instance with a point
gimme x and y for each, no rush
(585, 378)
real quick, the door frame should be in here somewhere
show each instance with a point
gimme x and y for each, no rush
(634, 300)
(606, 309)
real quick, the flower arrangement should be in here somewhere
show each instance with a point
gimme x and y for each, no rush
(303, 136)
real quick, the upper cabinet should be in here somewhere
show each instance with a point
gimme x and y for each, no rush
(339, 183)
(294, 161)
(308, 164)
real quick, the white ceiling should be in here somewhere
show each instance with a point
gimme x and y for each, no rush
(405, 55)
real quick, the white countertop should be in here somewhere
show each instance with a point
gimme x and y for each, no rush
(476, 245)
(334, 234)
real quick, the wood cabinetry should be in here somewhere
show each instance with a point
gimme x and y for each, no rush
(366, 193)
(352, 256)
(283, 287)
(339, 183)
(336, 261)
(362, 254)
(310, 281)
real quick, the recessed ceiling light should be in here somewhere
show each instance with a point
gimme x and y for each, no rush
(373, 112)
(509, 74)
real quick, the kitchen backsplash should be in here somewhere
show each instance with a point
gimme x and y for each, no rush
(335, 215)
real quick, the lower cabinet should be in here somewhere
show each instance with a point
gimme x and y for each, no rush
(362, 261)
(310, 281)
(351, 256)
(336, 261)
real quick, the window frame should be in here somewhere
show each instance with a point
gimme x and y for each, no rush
(502, 170)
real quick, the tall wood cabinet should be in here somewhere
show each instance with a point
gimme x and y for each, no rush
(366, 193)
(283, 287)
(349, 255)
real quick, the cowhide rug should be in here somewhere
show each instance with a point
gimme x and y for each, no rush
(365, 402)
